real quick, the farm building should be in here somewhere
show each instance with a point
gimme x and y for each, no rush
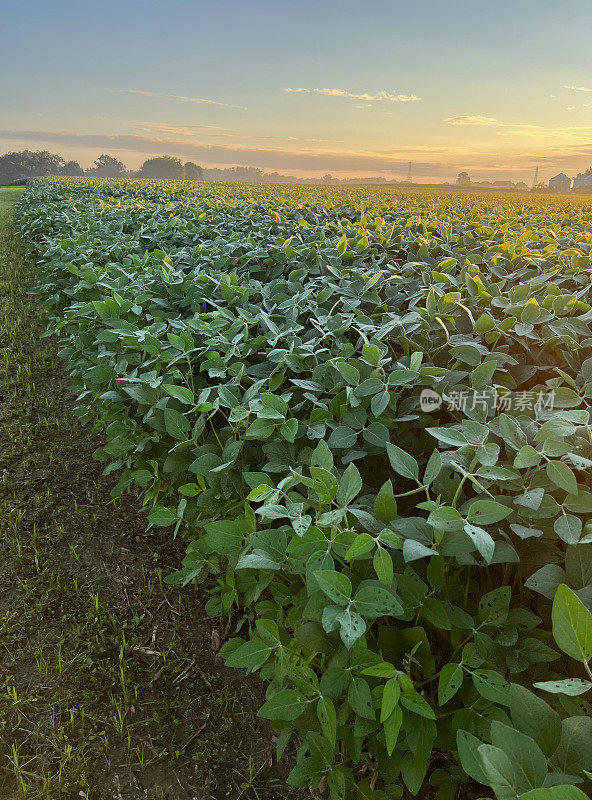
(560, 183)
(583, 180)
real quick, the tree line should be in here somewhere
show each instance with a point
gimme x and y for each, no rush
(19, 166)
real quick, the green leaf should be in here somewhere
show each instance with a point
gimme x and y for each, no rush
(524, 752)
(414, 766)
(446, 518)
(336, 783)
(482, 375)
(348, 372)
(413, 550)
(260, 492)
(268, 632)
(572, 624)
(250, 655)
(562, 791)
(383, 566)
(289, 429)
(556, 428)
(468, 752)
(546, 580)
(527, 456)
(569, 686)
(535, 718)
(561, 475)
(435, 612)
(142, 394)
(484, 324)
(287, 705)
(503, 775)
(379, 403)
(325, 484)
(371, 353)
(363, 543)
(494, 606)
(450, 681)
(487, 512)
(449, 436)
(433, 468)
(162, 517)
(360, 699)
(258, 559)
(180, 393)
(385, 506)
(402, 462)
(342, 438)
(492, 686)
(392, 726)
(327, 717)
(189, 490)
(260, 428)
(176, 424)
(350, 484)
(390, 698)
(375, 601)
(417, 704)
(322, 456)
(335, 585)
(482, 540)
(580, 504)
(381, 670)
(568, 528)
(227, 396)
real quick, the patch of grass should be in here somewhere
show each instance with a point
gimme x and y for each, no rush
(109, 683)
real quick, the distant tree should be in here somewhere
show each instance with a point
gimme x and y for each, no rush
(242, 174)
(163, 167)
(193, 172)
(29, 164)
(72, 168)
(107, 167)
(588, 171)
(463, 179)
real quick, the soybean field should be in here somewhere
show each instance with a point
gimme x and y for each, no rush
(365, 414)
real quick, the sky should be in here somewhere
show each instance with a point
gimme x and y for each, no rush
(306, 88)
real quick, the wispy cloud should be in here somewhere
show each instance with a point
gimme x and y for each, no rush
(175, 130)
(190, 131)
(578, 88)
(474, 119)
(389, 97)
(181, 98)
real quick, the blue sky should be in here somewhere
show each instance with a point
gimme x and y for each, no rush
(463, 84)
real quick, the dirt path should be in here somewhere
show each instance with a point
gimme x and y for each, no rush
(109, 686)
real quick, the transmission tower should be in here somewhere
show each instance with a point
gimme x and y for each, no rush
(409, 178)
(535, 180)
